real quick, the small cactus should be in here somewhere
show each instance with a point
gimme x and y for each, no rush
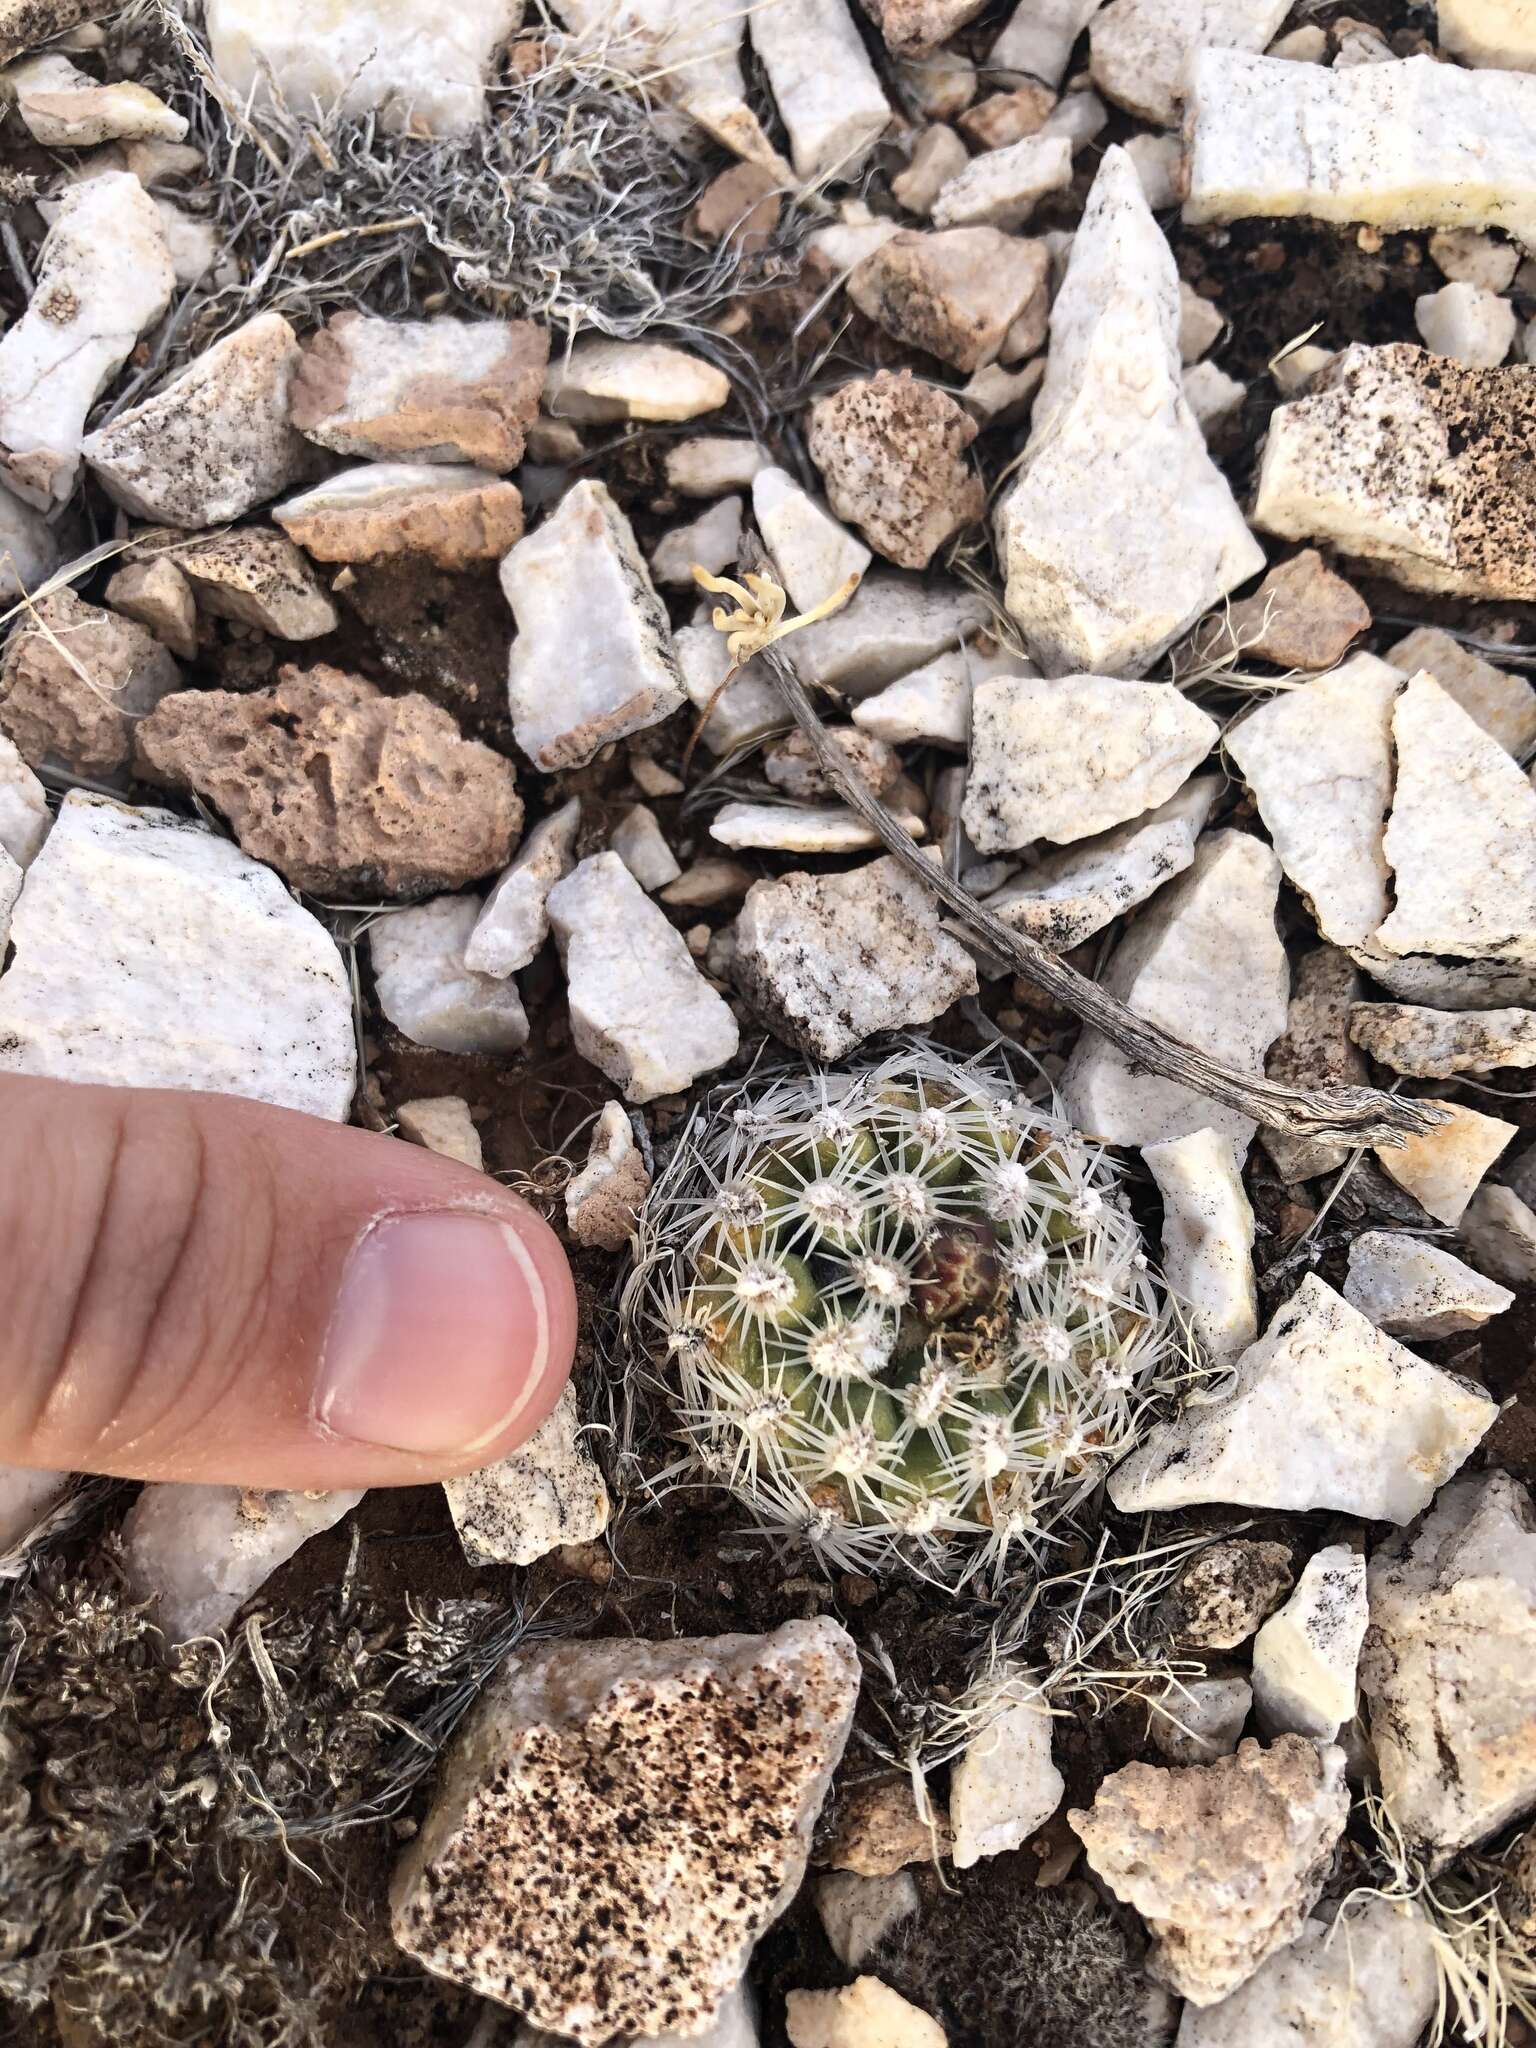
(906, 1312)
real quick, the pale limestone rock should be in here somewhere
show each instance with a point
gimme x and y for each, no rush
(707, 882)
(1448, 984)
(891, 625)
(1366, 1980)
(747, 709)
(259, 578)
(857, 1913)
(892, 451)
(641, 844)
(640, 1010)
(954, 293)
(1120, 531)
(1200, 325)
(1066, 759)
(1473, 326)
(602, 1202)
(1307, 45)
(426, 991)
(1359, 42)
(514, 920)
(593, 659)
(1200, 1719)
(156, 595)
(1159, 161)
(1449, 1666)
(1205, 962)
(548, 1492)
(828, 960)
(1002, 187)
(1212, 396)
(1499, 1231)
(813, 554)
(1413, 144)
(215, 441)
(1441, 1168)
(10, 889)
(1225, 1591)
(1462, 836)
(1325, 1411)
(1004, 1785)
(1315, 1052)
(453, 517)
(1430, 1044)
(1222, 1860)
(195, 245)
(855, 234)
(1208, 1233)
(712, 542)
(708, 464)
(1467, 257)
(791, 764)
(1039, 37)
(1498, 34)
(801, 828)
(823, 85)
(443, 1124)
(1318, 761)
(104, 276)
(423, 69)
(864, 2014)
(933, 702)
(1502, 704)
(1139, 49)
(24, 813)
(202, 1551)
(27, 1499)
(917, 26)
(1304, 1657)
(63, 107)
(937, 156)
(1410, 1287)
(651, 778)
(1080, 117)
(686, 1777)
(26, 23)
(1299, 368)
(601, 379)
(29, 554)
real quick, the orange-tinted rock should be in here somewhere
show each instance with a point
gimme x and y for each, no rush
(954, 294)
(891, 451)
(742, 205)
(454, 516)
(73, 680)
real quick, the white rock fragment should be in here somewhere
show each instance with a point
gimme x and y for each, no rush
(1065, 759)
(937, 156)
(104, 275)
(712, 542)
(602, 1202)
(202, 1551)
(1120, 531)
(259, 578)
(1208, 1231)
(857, 1913)
(707, 465)
(156, 595)
(24, 813)
(1431, 1044)
(424, 69)
(686, 1777)
(864, 2014)
(1467, 257)
(1201, 1719)
(1159, 161)
(813, 553)
(1139, 50)
(63, 107)
(641, 844)
(1500, 34)
(1004, 1785)
(443, 1124)
(1212, 396)
(601, 379)
(10, 890)
(183, 930)
(1325, 1412)
(1204, 961)
(426, 991)
(748, 708)
(1499, 1231)
(640, 1010)
(933, 702)
(1410, 1287)
(1366, 1980)
(548, 1492)
(800, 828)
(890, 626)
(1448, 984)
(1002, 187)
(1079, 116)
(593, 659)
(828, 960)
(823, 85)
(1304, 1657)
(1200, 324)
(27, 1499)
(29, 554)
(1449, 1666)
(1040, 36)
(1441, 1168)
(514, 919)
(1318, 761)
(1502, 704)
(1474, 326)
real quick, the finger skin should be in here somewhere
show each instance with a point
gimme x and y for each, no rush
(172, 1267)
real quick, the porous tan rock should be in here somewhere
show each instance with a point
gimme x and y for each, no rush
(255, 576)
(617, 1822)
(602, 1202)
(790, 764)
(73, 680)
(1314, 1051)
(891, 451)
(912, 27)
(741, 206)
(877, 1830)
(1222, 1860)
(1502, 704)
(344, 791)
(1431, 1044)
(954, 294)
(454, 516)
(1301, 616)
(156, 595)
(439, 390)
(1222, 1595)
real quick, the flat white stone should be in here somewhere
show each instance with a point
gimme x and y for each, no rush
(1139, 50)
(1325, 1412)
(1002, 187)
(1366, 1980)
(593, 659)
(1499, 34)
(29, 554)
(1467, 257)
(1065, 759)
(1431, 1044)
(442, 1124)
(24, 813)
(933, 703)
(1499, 1231)
(514, 919)
(640, 1010)
(602, 379)
(1413, 144)
(206, 973)
(891, 625)
(1448, 984)
(548, 1492)
(823, 85)
(202, 1551)
(1201, 1719)
(1120, 531)
(1318, 761)
(1159, 161)
(426, 991)
(1304, 1657)
(1004, 1785)
(800, 828)
(1040, 36)
(602, 1202)
(1212, 396)
(813, 553)
(712, 542)
(424, 69)
(746, 710)
(706, 465)
(64, 107)
(1067, 897)
(1205, 962)
(27, 1499)
(1208, 1231)
(104, 275)
(1501, 703)
(1474, 326)
(1200, 324)
(641, 844)
(857, 1913)
(1411, 1287)
(1442, 1169)
(1462, 836)
(1449, 1666)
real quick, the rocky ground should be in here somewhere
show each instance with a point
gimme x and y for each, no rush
(436, 448)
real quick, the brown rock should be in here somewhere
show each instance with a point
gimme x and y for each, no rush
(954, 294)
(24, 24)
(1222, 1596)
(342, 790)
(469, 516)
(73, 680)
(878, 1830)
(791, 763)
(891, 451)
(254, 576)
(1301, 616)
(742, 205)
(912, 27)
(1004, 117)
(158, 597)
(1314, 1052)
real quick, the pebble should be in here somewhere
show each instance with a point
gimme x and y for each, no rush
(1431, 1044)
(443, 1124)
(791, 764)
(202, 1551)
(1139, 49)
(890, 626)
(426, 991)
(712, 542)
(1225, 1591)
(256, 577)
(705, 883)
(1212, 396)
(73, 681)
(933, 702)
(29, 553)
(1442, 1168)
(452, 517)
(1302, 616)
(24, 814)
(813, 555)
(1498, 34)
(62, 107)
(1467, 257)
(601, 379)
(514, 920)
(1411, 1287)
(1003, 118)
(706, 465)
(1325, 1412)
(1159, 161)
(1200, 1719)
(27, 1499)
(913, 27)
(155, 595)
(937, 155)
(1040, 36)
(941, 83)
(638, 1912)
(548, 1492)
(603, 1201)
(651, 778)
(1222, 1860)
(741, 206)
(828, 960)
(1315, 1052)
(1208, 1231)
(1473, 326)
(1502, 704)
(593, 659)
(1002, 187)
(877, 1829)
(1080, 116)
(1201, 326)
(1499, 1230)
(823, 84)
(1304, 1657)
(641, 844)
(953, 293)
(801, 828)
(857, 1913)
(864, 2014)
(892, 453)
(1004, 1784)
(640, 1010)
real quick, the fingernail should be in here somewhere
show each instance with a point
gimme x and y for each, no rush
(447, 1328)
